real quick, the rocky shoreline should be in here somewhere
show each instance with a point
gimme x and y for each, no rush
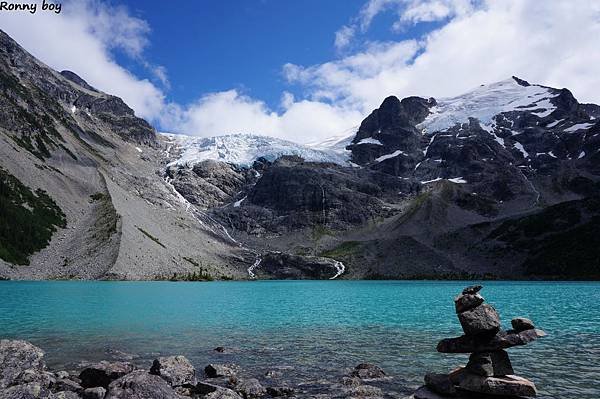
(24, 375)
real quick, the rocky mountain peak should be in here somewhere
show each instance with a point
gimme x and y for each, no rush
(73, 77)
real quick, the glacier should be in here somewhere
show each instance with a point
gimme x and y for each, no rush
(243, 149)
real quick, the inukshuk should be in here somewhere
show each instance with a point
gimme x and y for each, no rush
(489, 370)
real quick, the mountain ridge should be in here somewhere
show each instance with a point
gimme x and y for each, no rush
(427, 188)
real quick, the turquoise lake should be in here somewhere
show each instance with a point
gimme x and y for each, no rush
(313, 331)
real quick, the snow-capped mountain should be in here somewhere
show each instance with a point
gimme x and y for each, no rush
(244, 149)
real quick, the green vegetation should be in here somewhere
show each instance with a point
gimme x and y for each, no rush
(344, 249)
(106, 222)
(150, 236)
(319, 231)
(27, 219)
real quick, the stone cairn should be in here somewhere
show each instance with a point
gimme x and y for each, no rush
(489, 372)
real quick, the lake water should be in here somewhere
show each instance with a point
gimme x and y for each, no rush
(311, 331)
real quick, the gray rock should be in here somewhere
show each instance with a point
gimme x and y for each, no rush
(508, 385)
(440, 383)
(44, 378)
(365, 391)
(280, 391)
(502, 340)
(25, 391)
(488, 364)
(368, 371)
(521, 324)
(64, 384)
(16, 357)
(351, 381)
(220, 370)
(482, 320)
(250, 388)
(426, 393)
(176, 370)
(472, 290)
(223, 393)
(64, 395)
(140, 385)
(93, 393)
(103, 373)
(466, 302)
(62, 374)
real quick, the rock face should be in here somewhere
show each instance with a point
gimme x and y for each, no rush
(489, 370)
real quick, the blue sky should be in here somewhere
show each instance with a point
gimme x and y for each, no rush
(211, 46)
(307, 70)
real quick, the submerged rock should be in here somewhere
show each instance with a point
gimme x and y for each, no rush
(140, 385)
(176, 370)
(368, 371)
(280, 391)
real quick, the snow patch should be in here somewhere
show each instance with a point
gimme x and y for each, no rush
(237, 203)
(554, 123)
(138, 149)
(520, 147)
(388, 156)
(487, 101)
(369, 140)
(458, 180)
(581, 155)
(579, 126)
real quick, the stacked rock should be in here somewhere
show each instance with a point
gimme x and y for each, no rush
(489, 370)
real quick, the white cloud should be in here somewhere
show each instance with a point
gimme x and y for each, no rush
(81, 38)
(232, 112)
(343, 37)
(552, 43)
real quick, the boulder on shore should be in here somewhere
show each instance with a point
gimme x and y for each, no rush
(103, 373)
(176, 370)
(16, 357)
(140, 385)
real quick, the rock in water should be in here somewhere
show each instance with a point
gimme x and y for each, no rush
(489, 372)
(472, 290)
(368, 371)
(176, 370)
(103, 373)
(489, 364)
(16, 357)
(466, 302)
(440, 383)
(250, 388)
(508, 385)
(140, 385)
(521, 324)
(220, 370)
(482, 320)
